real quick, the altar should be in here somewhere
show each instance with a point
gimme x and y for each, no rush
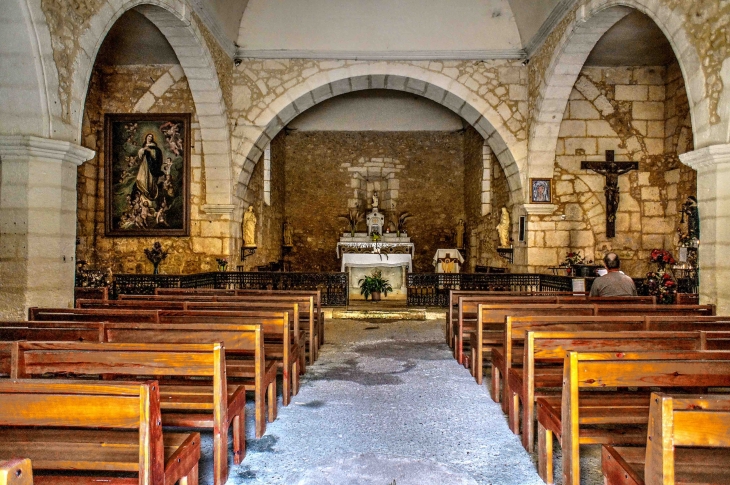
(391, 254)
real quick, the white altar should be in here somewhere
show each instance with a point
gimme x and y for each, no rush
(392, 255)
(448, 261)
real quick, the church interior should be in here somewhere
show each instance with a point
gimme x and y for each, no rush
(313, 194)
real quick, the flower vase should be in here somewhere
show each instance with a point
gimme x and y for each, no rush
(157, 268)
(222, 268)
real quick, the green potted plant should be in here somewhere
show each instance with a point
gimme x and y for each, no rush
(374, 285)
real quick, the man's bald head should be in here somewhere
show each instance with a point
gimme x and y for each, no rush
(612, 261)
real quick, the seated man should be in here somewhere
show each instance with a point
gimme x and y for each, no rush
(615, 282)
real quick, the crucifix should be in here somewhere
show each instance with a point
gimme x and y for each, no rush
(610, 169)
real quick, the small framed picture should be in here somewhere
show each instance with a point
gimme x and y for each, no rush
(541, 191)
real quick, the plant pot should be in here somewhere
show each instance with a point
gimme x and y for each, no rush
(375, 295)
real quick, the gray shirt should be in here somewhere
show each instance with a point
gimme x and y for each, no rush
(614, 283)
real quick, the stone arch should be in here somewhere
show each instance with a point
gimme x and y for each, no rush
(591, 21)
(510, 152)
(175, 20)
(25, 47)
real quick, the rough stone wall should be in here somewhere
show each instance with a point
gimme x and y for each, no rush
(624, 109)
(319, 183)
(119, 90)
(473, 172)
(270, 218)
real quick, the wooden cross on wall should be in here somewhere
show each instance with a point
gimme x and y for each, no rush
(610, 169)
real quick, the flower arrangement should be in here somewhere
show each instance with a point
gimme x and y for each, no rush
(222, 263)
(662, 257)
(662, 286)
(402, 218)
(572, 258)
(353, 216)
(156, 255)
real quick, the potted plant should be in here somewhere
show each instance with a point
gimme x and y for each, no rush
(374, 285)
(156, 255)
(353, 216)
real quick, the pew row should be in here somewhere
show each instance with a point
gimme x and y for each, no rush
(593, 408)
(16, 471)
(688, 442)
(41, 420)
(208, 403)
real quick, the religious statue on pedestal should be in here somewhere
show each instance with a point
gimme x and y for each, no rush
(693, 218)
(288, 234)
(459, 238)
(249, 228)
(503, 229)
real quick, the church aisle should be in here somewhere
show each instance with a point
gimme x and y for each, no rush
(386, 403)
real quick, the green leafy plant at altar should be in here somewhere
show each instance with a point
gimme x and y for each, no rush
(353, 217)
(374, 285)
(401, 226)
(156, 255)
(222, 264)
(661, 283)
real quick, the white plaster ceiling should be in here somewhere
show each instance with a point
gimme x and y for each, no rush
(378, 25)
(377, 110)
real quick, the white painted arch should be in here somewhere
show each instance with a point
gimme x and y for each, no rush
(592, 20)
(439, 88)
(175, 21)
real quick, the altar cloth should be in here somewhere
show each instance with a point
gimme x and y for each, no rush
(364, 260)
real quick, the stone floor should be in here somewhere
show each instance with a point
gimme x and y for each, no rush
(387, 404)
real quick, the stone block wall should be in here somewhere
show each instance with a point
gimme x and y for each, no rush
(641, 114)
(320, 168)
(153, 89)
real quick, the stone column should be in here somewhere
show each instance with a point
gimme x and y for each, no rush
(37, 222)
(713, 199)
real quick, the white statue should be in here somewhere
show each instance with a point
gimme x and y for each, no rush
(249, 228)
(376, 200)
(288, 234)
(503, 229)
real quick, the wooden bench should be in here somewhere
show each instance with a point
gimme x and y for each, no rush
(488, 332)
(305, 309)
(246, 362)
(516, 360)
(55, 424)
(209, 403)
(50, 330)
(279, 343)
(542, 371)
(317, 294)
(16, 471)
(688, 442)
(613, 417)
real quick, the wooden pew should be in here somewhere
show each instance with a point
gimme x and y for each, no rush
(279, 343)
(622, 416)
(317, 294)
(16, 471)
(246, 362)
(688, 442)
(305, 310)
(488, 332)
(43, 420)
(209, 404)
(50, 330)
(545, 351)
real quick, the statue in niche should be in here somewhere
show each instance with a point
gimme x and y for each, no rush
(693, 218)
(288, 234)
(459, 238)
(503, 229)
(376, 200)
(249, 228)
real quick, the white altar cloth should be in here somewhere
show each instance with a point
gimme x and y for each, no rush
(373, 260)
(454, 254)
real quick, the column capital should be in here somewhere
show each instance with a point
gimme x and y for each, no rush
(707, 157)
(25, 146)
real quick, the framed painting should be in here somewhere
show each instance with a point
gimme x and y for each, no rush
(147, 174)
(541, 191)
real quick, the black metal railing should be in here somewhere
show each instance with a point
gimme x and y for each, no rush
(432, 289)
(333, 286)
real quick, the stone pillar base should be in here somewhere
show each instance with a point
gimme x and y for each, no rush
(37, 222)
